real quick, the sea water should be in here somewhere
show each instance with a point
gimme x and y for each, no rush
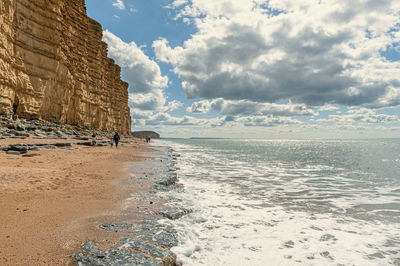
(288, 202)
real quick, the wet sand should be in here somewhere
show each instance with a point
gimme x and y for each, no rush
(52, 203)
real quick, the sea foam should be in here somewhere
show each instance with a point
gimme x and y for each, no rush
(287, 203)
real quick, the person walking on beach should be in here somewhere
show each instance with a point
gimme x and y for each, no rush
(94, 139)
(116, 139)
(112, 142)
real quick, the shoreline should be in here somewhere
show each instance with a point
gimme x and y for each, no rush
(146, 241)
(54, 202)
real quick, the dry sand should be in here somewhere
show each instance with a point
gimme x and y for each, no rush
(52, 203)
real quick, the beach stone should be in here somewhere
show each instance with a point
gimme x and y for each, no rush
(19, 127)
(63, 144)
(162, 187)
(31, 155)
(168, 179)
(116, 256)
(118, 227)
(167, 237)
(174, 214)
(58, 132)
(31, 128)
(10, 125)
(149, 228)
(167, 257)
(13, 152)
(17, 137)
(18, 147)
(81, 138)
(51, 147)
(90, 246)
(22, 133)
(47, 129)
(84, 143)
(102, 144)
(34, 149)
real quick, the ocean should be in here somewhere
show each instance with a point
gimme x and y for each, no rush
(288, 202)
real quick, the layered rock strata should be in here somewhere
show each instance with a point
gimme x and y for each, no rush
(54, 66)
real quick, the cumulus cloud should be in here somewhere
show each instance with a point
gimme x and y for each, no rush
(364, 115)
(269, 121)
(119, 4)
(142, 73)
(310, 52)
(144, 106)
(146, 83)
(152, 101)
(166, 119)
(328, 107)
(171, 106)
(250, 108)
(200, 107)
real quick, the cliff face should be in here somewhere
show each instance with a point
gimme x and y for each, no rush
(54, 66)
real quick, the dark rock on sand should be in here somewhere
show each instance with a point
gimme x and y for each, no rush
(84, 143)
(163, 188)
(174, 214)
(150, 229)
(169, 179)
(81, 138)
(14, 152)
(130, 252)
(51, 147)
(116, 256)
(167, 237)
(102, 144)
(31, 155)
(17, 137)
(22, 134)
(164, 254)
(117, 227)
(21, 148)
(90, 246)
(63, 144)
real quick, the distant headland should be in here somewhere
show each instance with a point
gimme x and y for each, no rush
(145, 134)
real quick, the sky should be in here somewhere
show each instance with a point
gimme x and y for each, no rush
(257, 68)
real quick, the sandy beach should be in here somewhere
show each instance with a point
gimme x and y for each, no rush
(52, 203)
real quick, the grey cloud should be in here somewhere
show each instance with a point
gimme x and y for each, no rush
(324, 61)
(293, 77)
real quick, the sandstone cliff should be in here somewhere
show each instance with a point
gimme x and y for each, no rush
(54, 66)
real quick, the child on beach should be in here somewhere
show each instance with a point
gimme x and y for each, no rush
(112, 142)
